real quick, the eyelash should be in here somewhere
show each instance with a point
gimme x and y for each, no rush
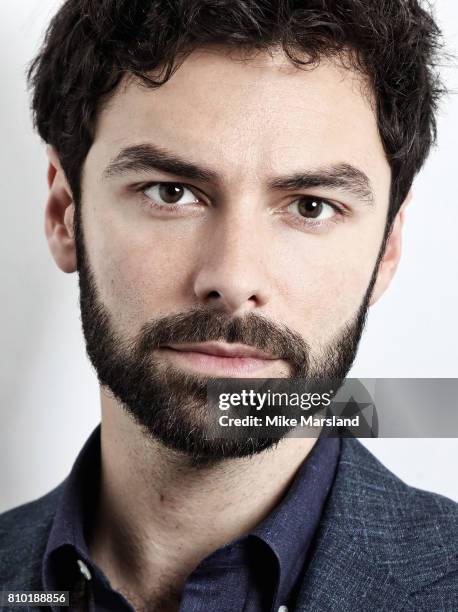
(340, 210)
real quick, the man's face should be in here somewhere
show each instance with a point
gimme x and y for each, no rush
(275, 220)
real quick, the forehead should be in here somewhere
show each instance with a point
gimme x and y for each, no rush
(249, 116)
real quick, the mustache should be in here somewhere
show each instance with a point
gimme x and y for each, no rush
(205, 325)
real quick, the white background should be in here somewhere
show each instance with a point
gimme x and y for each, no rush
(49, 394)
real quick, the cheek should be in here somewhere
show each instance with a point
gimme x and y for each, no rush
(138, 274)
(325, 287)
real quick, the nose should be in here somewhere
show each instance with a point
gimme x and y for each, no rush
(232, 272)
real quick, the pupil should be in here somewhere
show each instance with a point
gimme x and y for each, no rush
(310, 208)
(171, 193)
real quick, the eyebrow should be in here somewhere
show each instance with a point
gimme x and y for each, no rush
(146, 157)
(342, 176)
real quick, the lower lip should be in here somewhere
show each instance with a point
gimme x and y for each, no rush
(203, 363)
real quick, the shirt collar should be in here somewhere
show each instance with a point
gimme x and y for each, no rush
(289, 529)
(70, 521)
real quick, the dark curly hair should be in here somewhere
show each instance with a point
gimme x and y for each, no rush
(91, 45)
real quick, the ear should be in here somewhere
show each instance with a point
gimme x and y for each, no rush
(59, 215)
(392, 255)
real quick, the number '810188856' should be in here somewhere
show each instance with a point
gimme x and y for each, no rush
(20, 599)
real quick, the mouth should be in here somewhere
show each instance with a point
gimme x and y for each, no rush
(220, 359)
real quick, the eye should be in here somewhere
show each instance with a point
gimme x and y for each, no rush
(310, 207)
(170, 194)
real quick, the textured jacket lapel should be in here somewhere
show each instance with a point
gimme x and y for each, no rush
(379, 541)
(342, 577)
(24, 532)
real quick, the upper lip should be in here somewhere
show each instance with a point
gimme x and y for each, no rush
(222, 350)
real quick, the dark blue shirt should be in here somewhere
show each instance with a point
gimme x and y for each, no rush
(255, 573)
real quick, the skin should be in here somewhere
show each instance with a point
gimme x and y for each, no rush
(237, 250)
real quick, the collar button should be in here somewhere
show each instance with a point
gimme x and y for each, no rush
(84, 570)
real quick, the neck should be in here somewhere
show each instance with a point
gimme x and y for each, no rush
(159, 515)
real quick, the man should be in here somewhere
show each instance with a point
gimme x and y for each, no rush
(230, 179)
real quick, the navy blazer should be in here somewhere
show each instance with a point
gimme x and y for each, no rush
(381, 545)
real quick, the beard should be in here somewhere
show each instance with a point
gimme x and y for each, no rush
(169, 404)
